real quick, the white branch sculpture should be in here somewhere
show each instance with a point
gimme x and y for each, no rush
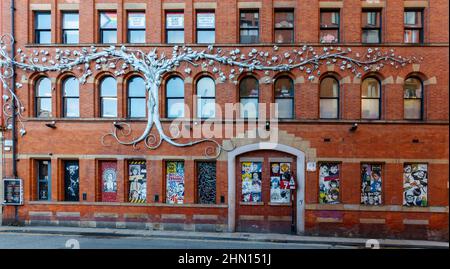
(153, 66)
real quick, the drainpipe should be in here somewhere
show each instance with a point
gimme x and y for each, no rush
(13, 90)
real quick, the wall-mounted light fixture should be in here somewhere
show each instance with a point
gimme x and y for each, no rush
(51, 125)
(267, 125)
(354, 127)
(117, 126)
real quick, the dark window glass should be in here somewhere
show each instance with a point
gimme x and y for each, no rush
(71, 97)
(175, 98)
(206, 28)
(175, 28)
(329, 98)
(370, 99)
(44, 173)
(136, 27)
(284, 26)
(108, 27)
(371, 23)
(413, 94)
(249, 97)
(71, 27)
(206, 98)
(329, 26)
(284, 97)
(44, 98)
(136, 98)
(249, 27)
(108, 96)
(413, 25)
(206, 176)
(71, 181)
(42, 28)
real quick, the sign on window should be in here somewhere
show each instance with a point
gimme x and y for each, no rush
(174, 21)
(206, 20)
(136, 20)
(13, 191)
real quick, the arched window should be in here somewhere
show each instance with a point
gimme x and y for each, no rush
(249, 97)
(413, 94)
(136, 98)
(71, 98)
(206, 98)
(329, 98)
(175, 98)
(371, 99)
(108, 96)
(284, 97)
(43, 98)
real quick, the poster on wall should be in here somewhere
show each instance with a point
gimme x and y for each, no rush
(280, 175)
(175, 182)
(109, 181)
(415, 185)
(13, 191)
(71, 181)
(371, 184)
(138, 182)
(175, 20)
(251, 181)
(329, 183)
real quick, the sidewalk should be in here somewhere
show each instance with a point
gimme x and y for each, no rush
(274, 238)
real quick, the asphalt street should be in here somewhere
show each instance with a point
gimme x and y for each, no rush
(45, 241)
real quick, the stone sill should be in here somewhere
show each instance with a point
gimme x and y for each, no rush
(384, 208)
(126, 204)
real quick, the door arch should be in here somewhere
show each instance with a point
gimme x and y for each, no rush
(300, 176)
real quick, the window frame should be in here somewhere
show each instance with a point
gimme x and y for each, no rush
(200, 116)
(130, 98)
(338, 27)
(167, 12)
(37, 31)
(197, 191)
(241, 11)
(421, 29)
(197, 29)
(109, 96)
(173, 98)
(64, 166)
(292, 29)
(292, 97)
(372, 98)
(48, 181)
(64, 97)
(422, 91)
(338, 98)
(369, 28)
(257, 98)
(37, 97)
(129, 30)
(63, 30)
(103, 30)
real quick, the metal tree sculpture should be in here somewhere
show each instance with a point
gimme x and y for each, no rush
(153, 66)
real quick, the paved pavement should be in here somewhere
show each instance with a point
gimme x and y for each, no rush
(199, 239)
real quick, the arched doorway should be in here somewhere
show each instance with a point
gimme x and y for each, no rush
(298, 165)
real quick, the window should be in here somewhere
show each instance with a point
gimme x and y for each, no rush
(108, 96)
(71, 98)
(108, 181)
(284, 97)
(249, 27)
(206, 182)
(108, 27)
(413, 24)
(175, 27)
(371, 191)
(249, 97)
(370, 103)
(136, 98)
(44, 98)
(415, 184)
(175, 98)
(251, 182)
(371, 23)
(42, 28)
(329, 183)
(329, 98)
(71, 181)
(137, 182)
(329, 26)
(284, 26)
(44, 173)
(206, 98)
(174, 182)
(136, 27)
(413, 99)
(206, 27)
(71, 28)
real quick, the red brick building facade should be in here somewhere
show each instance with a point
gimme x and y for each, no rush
(389, 144)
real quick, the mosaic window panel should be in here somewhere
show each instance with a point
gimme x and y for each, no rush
(415, 185)
(280, 175)
(175, 182)
(371, 183)
(251, 181)
(71, 181)
(109, 181)
(329, 183)
(206, 187)
(137, 181)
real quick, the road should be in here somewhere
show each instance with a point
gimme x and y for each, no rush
(46, 241)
